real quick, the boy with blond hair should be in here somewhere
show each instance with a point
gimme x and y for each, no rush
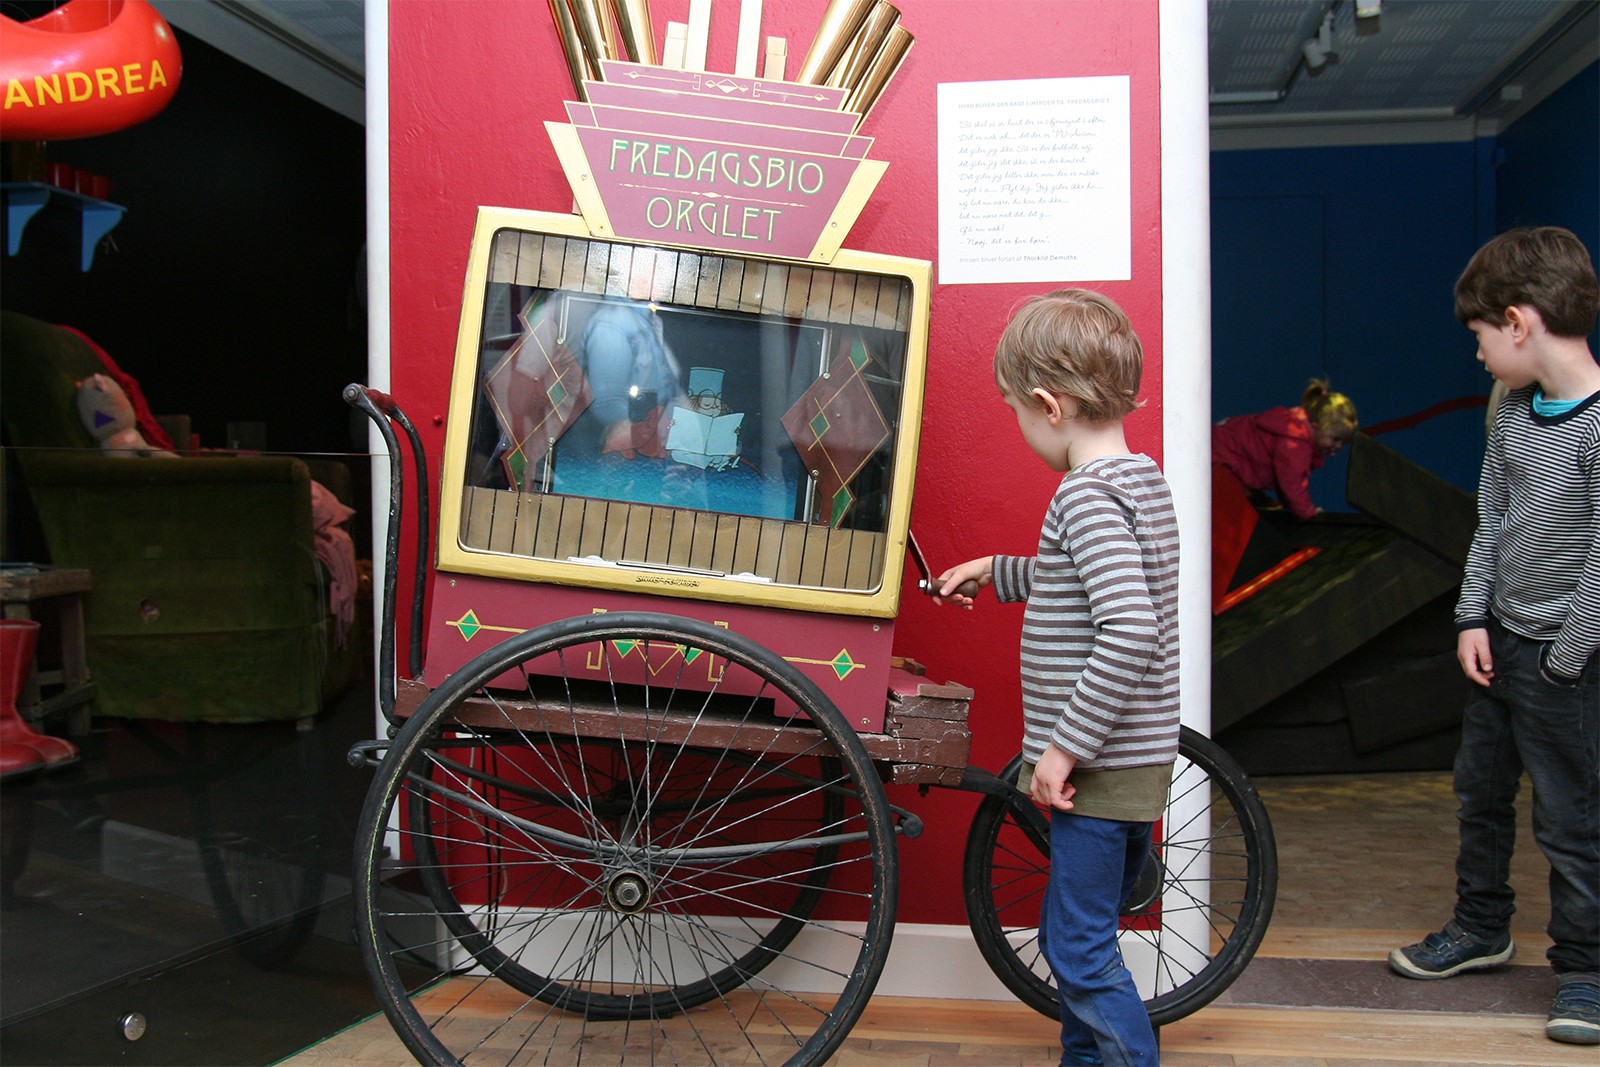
(1099, 650)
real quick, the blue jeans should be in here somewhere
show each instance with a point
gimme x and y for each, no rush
(1522, 722)
(1093, 865)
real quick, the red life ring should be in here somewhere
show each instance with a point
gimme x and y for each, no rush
(88, 67)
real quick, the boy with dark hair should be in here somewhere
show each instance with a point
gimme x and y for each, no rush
(1099, 650)
(1528, 622)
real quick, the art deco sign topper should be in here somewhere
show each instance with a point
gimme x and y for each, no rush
(664, 151)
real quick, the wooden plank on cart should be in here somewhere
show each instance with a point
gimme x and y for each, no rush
(938, 757)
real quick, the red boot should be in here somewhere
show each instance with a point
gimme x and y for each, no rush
(23, 749)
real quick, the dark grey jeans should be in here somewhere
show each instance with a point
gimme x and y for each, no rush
(1522, 722)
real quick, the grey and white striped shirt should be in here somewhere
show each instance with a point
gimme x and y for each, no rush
(1535, 558)
(1100, 631)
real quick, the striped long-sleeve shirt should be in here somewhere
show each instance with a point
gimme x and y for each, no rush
(1100, 631)
(1535, 558)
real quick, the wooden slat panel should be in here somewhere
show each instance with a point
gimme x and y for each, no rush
(746, 546)
(574, 264)
(601, 536)
(791, 553)
(725, 537)
(642, 271)
(503, 523)
(864, 312)
(594, 268)
(840, 549)
(799, 292)
(530, 251)
(843, 301)
(902, 319)
(569, 525)
(619, 269)
(635, 532)
(551, 261)
(477, 515)
(774, 289)
(820, 303)
(687, 282)
(527, 525)
(665, 281)
(539, 533)
(549, 526)
(710, 282)
(866, 565)
(755, 276)
(889, 302)
(658, 545)
(730, 286)
(703, 540)
(769, 549)
(503, 257)
(815, 543)
(680, 537)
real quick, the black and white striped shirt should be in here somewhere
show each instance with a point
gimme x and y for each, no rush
(1535, 558)
(1100, 631)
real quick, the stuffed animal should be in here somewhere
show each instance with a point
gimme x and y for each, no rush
(108, 414)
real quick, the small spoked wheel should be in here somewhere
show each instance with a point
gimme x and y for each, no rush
(1193, 920)
(627, 837)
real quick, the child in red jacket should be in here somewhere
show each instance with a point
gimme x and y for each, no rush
(1277, 450)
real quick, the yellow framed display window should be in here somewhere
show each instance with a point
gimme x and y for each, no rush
(651, 419)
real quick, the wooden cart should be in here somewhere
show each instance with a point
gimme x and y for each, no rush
(633, 836)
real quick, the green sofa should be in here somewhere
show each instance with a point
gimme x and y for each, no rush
(208, 601)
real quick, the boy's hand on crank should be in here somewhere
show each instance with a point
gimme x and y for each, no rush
(1051, 789)
(960, 584)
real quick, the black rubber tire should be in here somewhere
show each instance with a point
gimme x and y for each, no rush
(1232, 888)
(522, 843)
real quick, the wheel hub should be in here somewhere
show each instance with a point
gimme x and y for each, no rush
(628, 892)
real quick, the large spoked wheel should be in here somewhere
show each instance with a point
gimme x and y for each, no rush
(607, 821)
(1192, 923)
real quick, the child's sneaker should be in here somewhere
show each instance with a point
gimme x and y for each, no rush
(1575, 1013)
(1449, 952)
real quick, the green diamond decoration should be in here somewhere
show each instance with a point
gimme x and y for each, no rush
(557, 393)
(469, 625)
(819, 424)
(624, 647)
(842, 664)
(690, 654)
(841, 504)
(858, 355)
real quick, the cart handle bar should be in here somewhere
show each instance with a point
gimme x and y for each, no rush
(380, 407)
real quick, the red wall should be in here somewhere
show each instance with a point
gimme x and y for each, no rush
(471, 83)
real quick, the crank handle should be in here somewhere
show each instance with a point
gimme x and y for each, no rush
(968, 588)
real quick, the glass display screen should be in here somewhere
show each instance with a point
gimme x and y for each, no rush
(640, 406)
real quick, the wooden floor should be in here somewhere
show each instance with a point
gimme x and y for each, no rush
(1366, 864)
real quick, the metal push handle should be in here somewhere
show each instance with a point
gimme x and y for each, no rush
(380, 407)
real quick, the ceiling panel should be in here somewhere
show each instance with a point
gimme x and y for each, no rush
(1416, 59)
